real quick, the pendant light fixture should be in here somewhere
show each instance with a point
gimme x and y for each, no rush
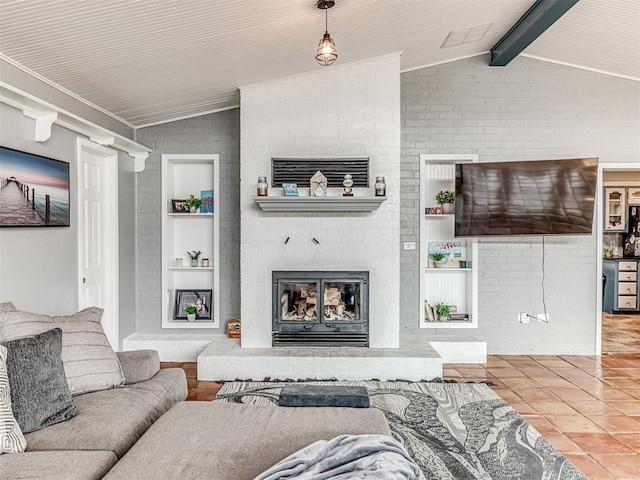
(326, 54)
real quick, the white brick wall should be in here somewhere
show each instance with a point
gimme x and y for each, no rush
(349, 110)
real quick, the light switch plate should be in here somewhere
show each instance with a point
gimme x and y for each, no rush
(409, 245)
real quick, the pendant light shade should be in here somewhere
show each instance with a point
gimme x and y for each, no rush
(326, 53)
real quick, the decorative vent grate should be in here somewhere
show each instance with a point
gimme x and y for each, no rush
(300, 170)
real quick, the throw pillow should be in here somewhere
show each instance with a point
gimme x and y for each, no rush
(39, 392)
(11, 438)
(89, 361)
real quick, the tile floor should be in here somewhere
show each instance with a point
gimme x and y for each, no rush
(588, 407)
(620, 333)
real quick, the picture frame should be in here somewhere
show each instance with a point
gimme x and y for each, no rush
(290, 189)
(178, 206)
(452, 250)
(206, 201)
(198, 297)
(40, 189)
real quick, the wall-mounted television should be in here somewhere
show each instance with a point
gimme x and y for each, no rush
(34, 190)
(541, 197)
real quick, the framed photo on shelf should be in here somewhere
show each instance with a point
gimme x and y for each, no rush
(178, 206)
(451, 250)
(290, 189)
(200, 298)
(206, 201)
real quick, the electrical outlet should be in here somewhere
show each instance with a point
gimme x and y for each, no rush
(542, 317)
(523, 317)
(409, 245)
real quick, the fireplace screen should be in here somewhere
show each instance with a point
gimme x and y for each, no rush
(320, 308)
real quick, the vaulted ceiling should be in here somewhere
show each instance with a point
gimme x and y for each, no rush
(149, 61)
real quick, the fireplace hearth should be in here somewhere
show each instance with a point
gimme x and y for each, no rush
(320, 308)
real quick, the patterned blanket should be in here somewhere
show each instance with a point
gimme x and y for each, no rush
(452, 431)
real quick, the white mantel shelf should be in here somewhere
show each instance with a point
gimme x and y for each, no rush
(319, 204)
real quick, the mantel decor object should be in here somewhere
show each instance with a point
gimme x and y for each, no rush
(381, 187)
(347, 183)
(318, 185)
(290, 189)
(262, 188)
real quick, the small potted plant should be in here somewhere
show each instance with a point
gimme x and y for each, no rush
(194, 256)
(446, 198)
(191, 312)
(192, 203)
(442, 312)
(440, 259)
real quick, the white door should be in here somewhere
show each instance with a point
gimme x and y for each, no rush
(98, 234)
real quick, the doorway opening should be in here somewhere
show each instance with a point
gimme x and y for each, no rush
(619, 259)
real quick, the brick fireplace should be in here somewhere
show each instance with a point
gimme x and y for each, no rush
(351, 110)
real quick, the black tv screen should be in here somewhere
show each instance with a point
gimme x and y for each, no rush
(34, 190)
(542, 197)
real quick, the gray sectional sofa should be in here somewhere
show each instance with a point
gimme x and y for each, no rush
(89, 413)
(106, 425)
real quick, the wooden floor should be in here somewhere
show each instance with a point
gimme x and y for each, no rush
(588, 407)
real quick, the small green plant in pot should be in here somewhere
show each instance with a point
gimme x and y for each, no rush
(446, 198)
(439, 259)
(442, 312)
(191, 312)
(192, 203)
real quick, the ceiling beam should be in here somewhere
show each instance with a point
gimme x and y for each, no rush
(541, 15)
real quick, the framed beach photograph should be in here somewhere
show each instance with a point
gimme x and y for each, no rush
(200, 298)
(449, 252)
(290, 189)
(178, 206)
(34, 190)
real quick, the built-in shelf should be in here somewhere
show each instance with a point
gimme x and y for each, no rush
(191, 269)
(190, 215)
(319, 204)
(447, 269)
(443, 285)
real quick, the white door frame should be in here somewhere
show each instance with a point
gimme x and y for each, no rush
(110, 323)
(599, 233)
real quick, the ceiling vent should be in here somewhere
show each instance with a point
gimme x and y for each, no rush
(466, 35)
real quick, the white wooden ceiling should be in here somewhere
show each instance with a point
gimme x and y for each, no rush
(149, 61)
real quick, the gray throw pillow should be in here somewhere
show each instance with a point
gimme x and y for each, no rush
(89, 361)
(39, 392)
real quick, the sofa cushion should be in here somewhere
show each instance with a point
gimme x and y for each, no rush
(89, 361)
(39, 392)
(138, 365)
(223, 441)
(11, 438)
(113, 419)
(63, 465)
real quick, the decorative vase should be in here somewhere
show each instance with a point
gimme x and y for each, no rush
(440, 263)
(448, 208)
(191, 317)
(194, 262)
(193, 210)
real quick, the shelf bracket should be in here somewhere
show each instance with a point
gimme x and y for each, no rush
(44, 119)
